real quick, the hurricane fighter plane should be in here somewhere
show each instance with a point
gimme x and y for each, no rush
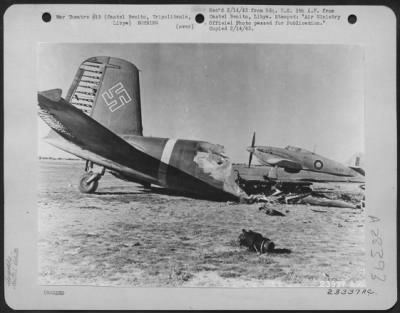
(294, 160)
(296, 168)
(100, 121)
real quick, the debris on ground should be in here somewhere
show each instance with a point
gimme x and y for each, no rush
(270, 211)
(327, 202)
(255, 241)
(317, 195)
(319, 211)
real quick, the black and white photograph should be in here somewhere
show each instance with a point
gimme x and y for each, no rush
(196, 157)
(224, 165)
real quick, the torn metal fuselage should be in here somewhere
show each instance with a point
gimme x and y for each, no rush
(189, 166)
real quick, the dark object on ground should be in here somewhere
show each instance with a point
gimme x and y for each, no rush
(271, 211)
(255, 241)
(280, 251)
(319, 211)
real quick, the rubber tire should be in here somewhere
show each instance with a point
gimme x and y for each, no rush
(146, 186)
(84, 187)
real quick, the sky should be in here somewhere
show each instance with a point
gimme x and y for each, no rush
(310, 96)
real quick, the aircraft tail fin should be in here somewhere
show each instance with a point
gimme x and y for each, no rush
(359, 170)
(107, 89)
(356, 162)
(90, 140)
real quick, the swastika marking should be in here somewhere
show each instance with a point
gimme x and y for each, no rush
(116, 97)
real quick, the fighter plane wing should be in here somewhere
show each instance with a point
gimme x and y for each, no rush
(80, 129)
(284, 163)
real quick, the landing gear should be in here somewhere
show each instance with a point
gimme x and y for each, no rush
(146, 186)
(90, 180)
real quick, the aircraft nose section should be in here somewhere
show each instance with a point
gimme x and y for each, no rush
(250, 149)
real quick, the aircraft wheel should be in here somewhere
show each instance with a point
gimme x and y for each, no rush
(146, 186)
(88, 187)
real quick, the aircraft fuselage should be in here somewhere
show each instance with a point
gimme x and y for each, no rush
(300, 159)
(190, 166)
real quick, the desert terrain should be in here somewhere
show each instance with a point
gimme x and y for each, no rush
(126, 236)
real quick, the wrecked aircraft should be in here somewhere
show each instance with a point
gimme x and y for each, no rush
(299, 164)
(100, 122)
(288, 175)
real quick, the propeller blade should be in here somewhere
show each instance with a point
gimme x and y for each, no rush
(250, 158)
(253, 140)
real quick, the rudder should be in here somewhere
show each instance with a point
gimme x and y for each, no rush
(107, 89)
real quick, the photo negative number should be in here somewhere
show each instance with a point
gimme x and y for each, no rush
(116, 97)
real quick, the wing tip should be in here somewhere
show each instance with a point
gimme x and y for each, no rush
(52, 94)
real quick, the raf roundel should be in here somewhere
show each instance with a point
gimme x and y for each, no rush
(318, 164)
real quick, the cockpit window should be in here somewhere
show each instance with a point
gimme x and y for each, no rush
(296, 149)
(292, 148)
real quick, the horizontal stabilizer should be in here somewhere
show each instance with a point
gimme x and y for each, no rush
(52, 94)
(82, 130)
(358, 170)
(356, 163)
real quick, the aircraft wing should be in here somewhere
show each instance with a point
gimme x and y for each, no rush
(263, 173)
(284, 163)
(83, 131)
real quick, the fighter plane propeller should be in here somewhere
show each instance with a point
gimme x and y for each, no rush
(251, 148)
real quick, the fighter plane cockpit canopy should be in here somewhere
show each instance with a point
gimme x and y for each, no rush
(296, 149)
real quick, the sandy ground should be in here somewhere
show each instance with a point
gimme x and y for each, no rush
(124, 236)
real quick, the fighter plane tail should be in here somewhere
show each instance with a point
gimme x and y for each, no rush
(107, 89)
(356, 162)
(90, 140)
